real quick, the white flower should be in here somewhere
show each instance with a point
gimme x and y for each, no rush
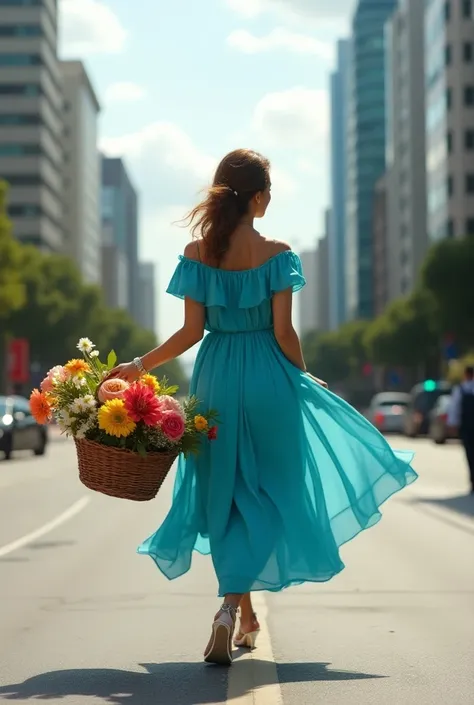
(80, 405)
(90, 401)
(81, 432)
(79, 382)
(85, 345)
(94, 353)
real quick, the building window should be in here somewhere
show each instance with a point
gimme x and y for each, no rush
(468, 52)
(449, 142)
(450, 185)
(9, 149)
(20, 30)
(469, 95)
(470, 226)
(20, 89)
(23, 180)
(449, 98)
(447, 10)
(469, 183)
(20, 60)
(469, 139)
(467, 8)
(29, 119)
(24, 211)
(17, 3)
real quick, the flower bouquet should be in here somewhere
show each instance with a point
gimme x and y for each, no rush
(127, 436)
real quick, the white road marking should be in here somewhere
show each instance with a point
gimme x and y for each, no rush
(253, 677)
(46, 528)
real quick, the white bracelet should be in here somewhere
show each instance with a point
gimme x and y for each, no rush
(139, 365)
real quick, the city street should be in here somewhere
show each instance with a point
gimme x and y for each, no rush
(83, 619)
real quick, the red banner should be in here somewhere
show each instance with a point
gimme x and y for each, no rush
(18, 368)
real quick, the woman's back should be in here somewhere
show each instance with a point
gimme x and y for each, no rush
(237, 294)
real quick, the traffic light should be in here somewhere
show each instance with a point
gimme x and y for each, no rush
(430, 385)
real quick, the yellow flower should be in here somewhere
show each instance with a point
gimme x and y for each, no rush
(114, 420)
(200, 423)
(151, 382)
(77, 367)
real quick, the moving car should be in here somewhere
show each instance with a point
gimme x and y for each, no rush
(439, 431)
(387, 410)
(18, 429)
(423, 399)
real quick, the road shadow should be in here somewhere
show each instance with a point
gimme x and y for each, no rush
(162, 684)
(463, 504)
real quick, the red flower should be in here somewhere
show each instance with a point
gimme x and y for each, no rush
(212, 433)
(142, 404)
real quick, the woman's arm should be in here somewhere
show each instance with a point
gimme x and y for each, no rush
(184, 339)
(287, 337)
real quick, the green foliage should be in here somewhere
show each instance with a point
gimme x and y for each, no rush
(338, 355)
(447, 275)
(406, 334)
(12, 290)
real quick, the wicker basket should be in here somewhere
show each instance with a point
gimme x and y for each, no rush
(122, 473)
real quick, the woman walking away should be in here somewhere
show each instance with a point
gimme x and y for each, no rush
(295, 472)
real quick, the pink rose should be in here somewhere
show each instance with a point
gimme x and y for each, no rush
(172, 425)
(112, 389)
(56, 375)
(168, 403)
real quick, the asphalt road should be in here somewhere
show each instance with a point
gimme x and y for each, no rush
(84, 620)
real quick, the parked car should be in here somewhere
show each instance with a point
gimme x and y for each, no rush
(18, 429)
(423, 399)
(387, 410)
(438, 430)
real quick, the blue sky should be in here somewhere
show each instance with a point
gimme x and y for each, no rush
(181, 83)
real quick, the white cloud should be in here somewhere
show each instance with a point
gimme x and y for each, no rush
(278, 39)
(168, 165)
(89, 27)
(321, 9)
(294, 118)
(124, 92)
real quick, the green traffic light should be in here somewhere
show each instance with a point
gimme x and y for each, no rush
(430, 385)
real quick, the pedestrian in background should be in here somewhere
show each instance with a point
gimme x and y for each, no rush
(461, 417)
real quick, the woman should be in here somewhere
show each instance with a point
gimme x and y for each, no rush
(295, 472)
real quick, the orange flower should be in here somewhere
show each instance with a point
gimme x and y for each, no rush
(77, 367)
(40, 407)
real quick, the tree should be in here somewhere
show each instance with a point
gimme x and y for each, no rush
(447, 275)
(406, 334)
(12, 290)
(326, 356)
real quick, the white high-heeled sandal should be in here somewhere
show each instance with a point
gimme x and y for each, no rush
(247, 640)
(219, 650)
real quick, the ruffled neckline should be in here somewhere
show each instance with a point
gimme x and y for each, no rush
(237, 271)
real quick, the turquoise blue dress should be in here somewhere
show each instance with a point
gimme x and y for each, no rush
(295, 472)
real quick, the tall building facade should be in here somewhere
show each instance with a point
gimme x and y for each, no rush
(323, 276)
(147, 291)
(381, 266)
(339, 87)
(31, 157)
(365, 148)
(449, 80)
(82, 179)
(407, 239)
(119, 210)
(308, 297)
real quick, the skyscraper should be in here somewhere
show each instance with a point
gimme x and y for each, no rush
(407, 241)
(82, 180)
(449, 80)
(31, 157)
(147, 293)
(120, 233)
(308, 298)
(339, 86)
(365, 148)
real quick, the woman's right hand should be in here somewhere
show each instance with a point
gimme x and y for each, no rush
(321, 382)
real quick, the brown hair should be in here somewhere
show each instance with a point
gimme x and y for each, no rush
(239, 176)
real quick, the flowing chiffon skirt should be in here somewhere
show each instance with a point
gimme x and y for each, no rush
(295, 473)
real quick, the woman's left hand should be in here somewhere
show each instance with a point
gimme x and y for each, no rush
(127, 371)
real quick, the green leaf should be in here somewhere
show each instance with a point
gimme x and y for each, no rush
(141, 448)
(111, 359)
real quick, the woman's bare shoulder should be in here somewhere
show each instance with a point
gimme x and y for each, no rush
(275, 247)
(194, 250)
